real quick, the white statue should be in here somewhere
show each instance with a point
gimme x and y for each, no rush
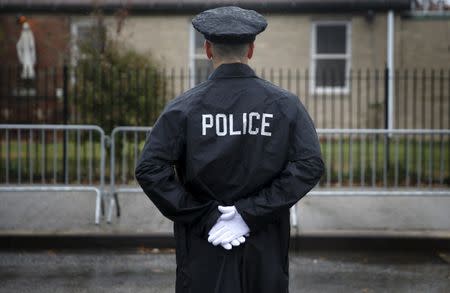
(26, 52)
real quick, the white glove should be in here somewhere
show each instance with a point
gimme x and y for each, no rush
(227, 214)
(229, 230)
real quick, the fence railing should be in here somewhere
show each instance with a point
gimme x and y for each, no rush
(383, 158)
(102, 96)
(53, 158)
(131, 139)
(358, 161)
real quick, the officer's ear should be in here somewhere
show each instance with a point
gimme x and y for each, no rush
(251, 48)
(208, 49)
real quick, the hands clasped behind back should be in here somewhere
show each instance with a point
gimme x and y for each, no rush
(229, 229)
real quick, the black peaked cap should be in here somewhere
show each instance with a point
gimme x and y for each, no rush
(230, 24)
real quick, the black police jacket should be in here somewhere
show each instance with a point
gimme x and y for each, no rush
(234, 139)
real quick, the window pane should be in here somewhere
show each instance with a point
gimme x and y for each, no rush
(330, 73)
(84, 32)
(331, 39)
(203, 68)
(90, 37)
(199, 40)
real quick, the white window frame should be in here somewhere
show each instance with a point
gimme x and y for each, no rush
(74, 27)
(193, 55)
(74, 50)
(314, 56)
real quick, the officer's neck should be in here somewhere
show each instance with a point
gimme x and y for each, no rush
(216, 63)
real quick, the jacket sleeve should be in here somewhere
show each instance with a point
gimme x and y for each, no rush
(155, 173)
(301, 173)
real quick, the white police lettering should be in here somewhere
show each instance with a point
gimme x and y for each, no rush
(205, 124)
(265, 124)
(224, 124)
(252, 123)
(244, 123)
(233, 132)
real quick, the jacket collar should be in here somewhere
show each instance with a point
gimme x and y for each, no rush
(230, 70)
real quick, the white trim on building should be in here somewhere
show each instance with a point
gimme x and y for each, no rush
(198, 73)
(191, 56)
(75, 26)
(314, 89)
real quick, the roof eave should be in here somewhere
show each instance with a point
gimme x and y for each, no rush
(311, 6)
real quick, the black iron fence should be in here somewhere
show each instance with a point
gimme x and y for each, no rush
(109, 97)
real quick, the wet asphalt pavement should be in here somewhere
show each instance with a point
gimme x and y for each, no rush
(146, 270)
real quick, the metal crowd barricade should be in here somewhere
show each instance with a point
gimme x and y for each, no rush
(359, 162)
(128, 156)
(380, 162)
(128, 160)
(52, 157)
(380, 158)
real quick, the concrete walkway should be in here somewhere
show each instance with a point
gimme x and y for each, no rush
(62, 213)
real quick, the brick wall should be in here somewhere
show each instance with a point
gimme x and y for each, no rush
(38, 100)
(51, 34)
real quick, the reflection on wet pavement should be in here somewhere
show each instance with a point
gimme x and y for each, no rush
(148, 270)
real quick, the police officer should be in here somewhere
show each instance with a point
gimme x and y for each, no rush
(244, 152)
